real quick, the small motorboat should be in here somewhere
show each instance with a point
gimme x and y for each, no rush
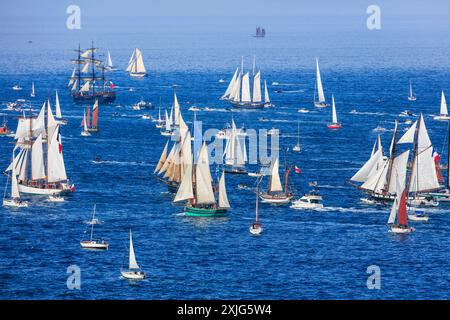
(194, 108)
(406, 113)
(303, 110)
(14, 203)
(142, 104)
(273, 131)
(368, 201)
(222, 134)
(409, 121)
(254, 174)
(275, 83)
(222, 81)
(16, 87)
(262, 119)
(146, 117)
(353, 111)
(97, 159)
(165, 133)
(297, 148)
(242, 186)
(419, 217)
(55, 198)
(312, 200)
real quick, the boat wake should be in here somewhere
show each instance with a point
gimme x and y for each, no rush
(120, 163)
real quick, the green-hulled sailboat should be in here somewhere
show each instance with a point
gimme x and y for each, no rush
(197, 187)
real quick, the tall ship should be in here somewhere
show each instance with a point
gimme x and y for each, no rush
(88, 82)
(38, 159)
(260, 32)
(242, 94)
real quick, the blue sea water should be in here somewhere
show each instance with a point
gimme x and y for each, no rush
(301, 254)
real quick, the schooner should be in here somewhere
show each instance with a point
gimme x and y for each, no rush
(241, 94)
(39, 162)
(235, 153)
(136, 67)
(87, 83)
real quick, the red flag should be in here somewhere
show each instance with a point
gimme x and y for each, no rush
(111, 85)
(59, 142)
(297, 170)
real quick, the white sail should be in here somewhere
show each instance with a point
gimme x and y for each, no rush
(109, 63)
(72, 78)
(391, 147)
(51, 122)
(257, 87)
(85, 68)
(176, 109)
(203, 187)
(236, 95)
(55, 166)
(230, 87)
(423, 172)
(57, 106)
(131, 62)
(137, 65)
(275, 183)
(334, 118)
(86, 86)
(32, 89)
(14, 187)
(319, 83)
(398, 169)
(409, 135)
(37, 160)
(235, 151)
(132, 263)
(245, 94)
(75, 85)
(87, 53)
(39, 123)
(162, 159)
(364, 172)
(266, 93)
(444, 111)
(185, 190)
(399, 184)
(22, 166)
(223, 198)
(410, 89)
(85, 128)
(167, 121)
(169, 158)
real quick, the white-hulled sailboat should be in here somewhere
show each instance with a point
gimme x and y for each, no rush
(58, 114)
(235, 151)
(411, 96)
(14, 201)
(94, 244)
(399, 210)
(267, 102)
(320, 103)
(197, 188)
(136, 67)
(32, 94)
(275, 193)
(134, 271)
(159, 121)
(256, 227)
(36, 176)
(334, 120)
(443, 114)
(85, 132)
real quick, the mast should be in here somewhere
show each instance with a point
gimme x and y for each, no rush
(257, 202)
(391, 160)
(47, 144)
(92, 222)
(79, 68)
(448, 157)
(31, 145)
(416, 133)
(93, 67)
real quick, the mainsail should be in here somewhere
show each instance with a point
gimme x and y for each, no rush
(132, 263)
(136, 63)
(334, 118)
(320, 93)
(275, 182)
(444, 111)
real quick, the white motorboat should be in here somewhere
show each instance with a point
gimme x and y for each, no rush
(303, 110)
(421, 217)
(55, 198)
(16, 87)
(146, 117)
(312, 200)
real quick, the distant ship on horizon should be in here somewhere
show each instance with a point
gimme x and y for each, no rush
(260, 32)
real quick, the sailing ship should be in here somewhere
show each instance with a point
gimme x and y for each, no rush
(90, 124)
(14, 200)
(136, 67)
(159, 121)
(238, 91)
(94, 244)
(32, 94)
(109, 64)
(411, 96)
(197, 188)
(134, 271)
(260, 32)
(297, 147)
(275, 193)
(399, 209)
(378, 173)
(39, 139)
(58, 115)
(320, 103)
(85, 77)
(443, 114)
(334, 120)
(256, 227)
(172, 122)
(235, 153)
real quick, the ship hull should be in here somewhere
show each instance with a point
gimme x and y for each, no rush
(204, 212)
(43, 191)
(102, 97)
(247, 105)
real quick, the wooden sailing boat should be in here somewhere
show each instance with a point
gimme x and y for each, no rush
(443, 114)
(399, 209)
(32, 94)
(197, 187)
(275, 193)
(297, 147)
(241, 94)
(37, 139)
(411, 96)
(320, 103)
(134, 271)
(256, 227)
(14, 201)
(136, 67)
(94, 244)
(235, 151)
(334, 120)
(58, 114)
(88, 72)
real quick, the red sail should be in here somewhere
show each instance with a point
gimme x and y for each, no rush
(88, 118)
(95, 117)
(401, 214)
